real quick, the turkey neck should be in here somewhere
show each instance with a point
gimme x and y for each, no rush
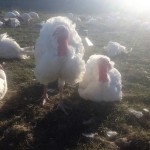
(62, 47)
(103, 73)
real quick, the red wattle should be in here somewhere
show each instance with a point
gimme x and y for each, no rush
(103, 74)
(62, 47)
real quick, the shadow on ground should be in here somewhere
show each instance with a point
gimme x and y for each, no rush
(25, 124)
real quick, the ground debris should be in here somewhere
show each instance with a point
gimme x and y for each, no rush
(122, 142)
(88, 41)
(137, 114)
(90, 135)
(111, 134)
(110, 145)
(146, 110)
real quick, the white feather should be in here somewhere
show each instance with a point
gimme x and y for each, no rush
(34, 15)
(92, 89)
(49, 66)
(9, 48)
(13, 22)
(10, 15)
(3, 84)
(16, 13)
(114, 49)
(45, 40)
(25, 17)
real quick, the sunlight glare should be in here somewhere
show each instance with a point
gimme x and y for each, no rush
(137, 5)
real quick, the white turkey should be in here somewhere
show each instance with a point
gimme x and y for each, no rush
(26, 18)
(114, 49)
(58, 54)
(34, 15)
(3, 83)
(12, 22)
(9, 48)
(101, 81)
(16, 13)
(10, 15)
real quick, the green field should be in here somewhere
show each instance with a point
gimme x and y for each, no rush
(26, 125)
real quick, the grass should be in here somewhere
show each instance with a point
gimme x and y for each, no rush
(26, 125)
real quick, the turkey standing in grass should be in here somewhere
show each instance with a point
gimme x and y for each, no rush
(58, 55)
(101, 81)
(3, 83)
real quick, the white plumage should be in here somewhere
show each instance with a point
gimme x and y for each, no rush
(50, 65)
(98, 86)
(113, 49)
(46, 40)
(34, 15)
(25, 17)
(10, 15)
(16, 13)
(12, 22)
(9, 48)
(3, 83)
(1, 24)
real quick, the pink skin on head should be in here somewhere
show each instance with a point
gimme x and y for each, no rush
(61, 34)
(103, 69)
(62, 46)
